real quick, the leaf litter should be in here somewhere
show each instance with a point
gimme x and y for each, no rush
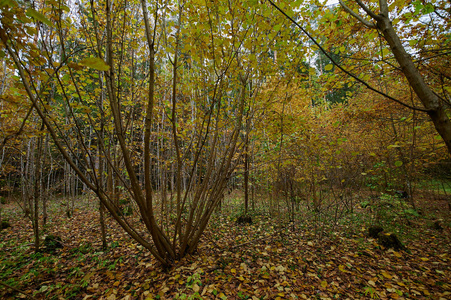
(269, 259)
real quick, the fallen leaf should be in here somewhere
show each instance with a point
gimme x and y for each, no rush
(386, 275)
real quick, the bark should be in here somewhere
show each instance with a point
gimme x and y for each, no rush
(431, 102)
(37, 193)
(246, 168)
(206, 148)
(435, 108)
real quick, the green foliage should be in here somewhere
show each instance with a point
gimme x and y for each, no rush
(11, 3)
(410, 212)
(39, 17)
(364, 203)
(127, 210)
(95, 63)
(83, 248)
(370, 291)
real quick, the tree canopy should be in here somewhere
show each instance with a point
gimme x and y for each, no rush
(164, 104)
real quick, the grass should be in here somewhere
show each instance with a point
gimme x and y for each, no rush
(442, 187)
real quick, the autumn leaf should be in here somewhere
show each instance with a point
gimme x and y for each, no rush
(386, 275)
(398, 163)
(75, 66)
(95, 63)
(397, 254)
(11, 3)
(39, 17)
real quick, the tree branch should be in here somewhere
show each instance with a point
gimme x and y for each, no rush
(367, 10)
(383, 7)
(357, 16)
(17, 290)
(341, 68)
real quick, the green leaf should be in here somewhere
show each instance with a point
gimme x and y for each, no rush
(398, 163)
(95, 63)
(418, 6)
(328, 67)
(412, 212)
(428, 8)
(65, 8)
(11, 3)
(38, 16)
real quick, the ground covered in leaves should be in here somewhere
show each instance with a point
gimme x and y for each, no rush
(310, 258)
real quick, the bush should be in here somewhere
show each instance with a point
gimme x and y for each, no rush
(127, 210)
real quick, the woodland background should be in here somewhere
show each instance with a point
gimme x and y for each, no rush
(210, 149)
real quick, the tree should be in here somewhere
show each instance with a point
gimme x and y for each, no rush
(103, 119)
(434, 106)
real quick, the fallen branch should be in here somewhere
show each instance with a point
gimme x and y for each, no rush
(17, 290)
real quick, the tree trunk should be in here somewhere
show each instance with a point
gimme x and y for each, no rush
(431, 102)
(37, 193)
(246, 172)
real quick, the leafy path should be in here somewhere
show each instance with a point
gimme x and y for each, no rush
(261, 261)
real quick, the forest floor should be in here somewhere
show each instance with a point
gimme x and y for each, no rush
(312, 258)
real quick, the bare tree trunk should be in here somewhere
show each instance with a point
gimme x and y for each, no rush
(49, 178)
(100, 167)
(246, 167)
(102, 225)
(210, 153)
(37, 193)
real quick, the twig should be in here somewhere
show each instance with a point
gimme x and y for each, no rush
(17, 290)
(366, 84)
